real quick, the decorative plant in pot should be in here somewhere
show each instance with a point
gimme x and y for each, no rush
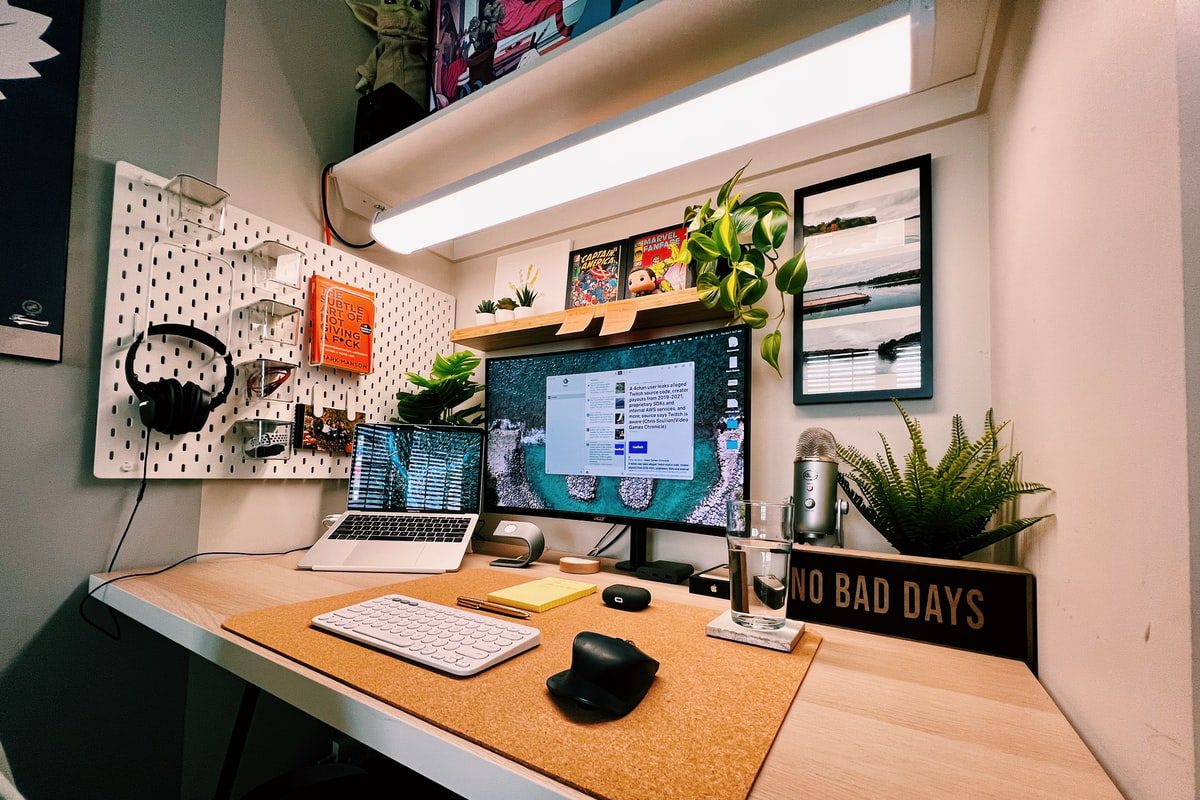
(448, 386)
(734, 244)
(525, 293)
(938, 511)
(505, 307)
(485, 312)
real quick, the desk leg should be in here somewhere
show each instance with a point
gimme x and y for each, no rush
(237, 742)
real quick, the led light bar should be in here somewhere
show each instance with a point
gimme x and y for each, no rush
(703, 120)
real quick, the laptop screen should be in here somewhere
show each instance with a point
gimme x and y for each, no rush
(416, 468)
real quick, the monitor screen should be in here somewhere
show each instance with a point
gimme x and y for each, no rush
(655, 432)
(416, 468)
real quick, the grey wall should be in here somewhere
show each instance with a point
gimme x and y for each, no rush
(76, 709)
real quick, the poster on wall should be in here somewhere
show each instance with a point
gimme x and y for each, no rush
(541, 265)
(478, 41)
(39, 89)
(864, 327)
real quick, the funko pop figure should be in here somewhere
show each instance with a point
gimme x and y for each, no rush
(643, 281)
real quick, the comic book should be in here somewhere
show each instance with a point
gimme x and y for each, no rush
(648, 271)
(594, 274)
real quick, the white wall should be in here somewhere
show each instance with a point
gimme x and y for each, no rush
(1088, 356)
(962, 381)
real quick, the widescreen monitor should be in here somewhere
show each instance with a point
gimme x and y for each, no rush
(655, 433)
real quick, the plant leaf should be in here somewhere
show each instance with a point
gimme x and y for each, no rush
(729, 291)
(754, 317)
(703, 247)
(708, 288)
(767, 201)
(769, 349)
(778, 222)
(792, 275)
(726, 237)
(723, 195)
(753, 291)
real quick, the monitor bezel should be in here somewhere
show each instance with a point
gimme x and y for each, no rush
(481, 435)
(658, 524)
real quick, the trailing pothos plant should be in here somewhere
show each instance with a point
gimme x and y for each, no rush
(448, 386)
(734, 244)
(938, 511)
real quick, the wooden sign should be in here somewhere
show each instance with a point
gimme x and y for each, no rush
(980, 607)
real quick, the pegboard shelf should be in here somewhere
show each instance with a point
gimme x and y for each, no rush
(277, 266)
(158, 272)
(656, 311)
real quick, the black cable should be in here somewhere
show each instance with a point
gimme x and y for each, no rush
(137, 503)
(325, 212)
(117, 635)
(601, 546)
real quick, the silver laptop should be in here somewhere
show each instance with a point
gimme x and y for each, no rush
(413, 502)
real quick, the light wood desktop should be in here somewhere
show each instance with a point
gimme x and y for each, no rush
(875, 716)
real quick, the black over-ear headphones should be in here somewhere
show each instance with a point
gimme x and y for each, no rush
(168, 406)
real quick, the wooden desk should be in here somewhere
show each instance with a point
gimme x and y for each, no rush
(875, 717)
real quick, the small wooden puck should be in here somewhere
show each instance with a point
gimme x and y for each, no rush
(578, 566)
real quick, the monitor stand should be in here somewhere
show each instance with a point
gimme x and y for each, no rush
(661, 570)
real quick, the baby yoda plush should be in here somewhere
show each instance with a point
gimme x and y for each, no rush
(402, 55)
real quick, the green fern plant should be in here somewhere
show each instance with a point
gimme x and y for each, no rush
(938, 511)
(447, 388)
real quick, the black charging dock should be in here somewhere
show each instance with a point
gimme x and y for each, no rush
(662, 571)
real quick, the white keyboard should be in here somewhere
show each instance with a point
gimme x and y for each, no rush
(447, 639)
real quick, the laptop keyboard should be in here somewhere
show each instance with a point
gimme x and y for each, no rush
(402, 528)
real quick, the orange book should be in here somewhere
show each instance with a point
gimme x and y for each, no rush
(341, 324)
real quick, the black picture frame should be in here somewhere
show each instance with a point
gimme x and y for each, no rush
(614, 254)
(877, 264)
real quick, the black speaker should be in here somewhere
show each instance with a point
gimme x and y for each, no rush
(383, 112)
(171, 407)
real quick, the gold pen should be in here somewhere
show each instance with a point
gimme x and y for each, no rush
(495, 608)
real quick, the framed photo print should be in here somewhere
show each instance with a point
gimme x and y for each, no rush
(864, 324)
(647, 274)
(594, 274)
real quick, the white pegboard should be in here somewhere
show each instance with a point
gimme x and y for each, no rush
(163, 271)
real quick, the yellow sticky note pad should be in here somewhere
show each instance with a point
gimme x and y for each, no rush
(542, 594)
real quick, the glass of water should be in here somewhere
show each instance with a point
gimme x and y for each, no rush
(760, 541)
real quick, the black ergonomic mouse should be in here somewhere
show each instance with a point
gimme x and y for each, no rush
(607, 674)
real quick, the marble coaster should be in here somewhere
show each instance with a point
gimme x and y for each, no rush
(785, 638)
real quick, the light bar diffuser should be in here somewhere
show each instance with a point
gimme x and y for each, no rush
(849, 74)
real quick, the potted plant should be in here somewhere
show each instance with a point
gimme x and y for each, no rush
(734, 243)
(505, 307)
(440, 395)
(481, 31)
(941, 510)
(485, 312)
(525, 293)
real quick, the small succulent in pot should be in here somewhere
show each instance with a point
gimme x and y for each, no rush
(485, 312)
(524, 291)
(504, 309)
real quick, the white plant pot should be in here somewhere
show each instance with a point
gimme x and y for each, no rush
(523, 311)
(504, 315)
(484, 319)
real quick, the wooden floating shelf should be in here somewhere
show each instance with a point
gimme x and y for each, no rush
(607, 319)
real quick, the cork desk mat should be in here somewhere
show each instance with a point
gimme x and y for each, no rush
(703, 730)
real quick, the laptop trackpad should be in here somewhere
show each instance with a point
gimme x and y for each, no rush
(385, 554)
